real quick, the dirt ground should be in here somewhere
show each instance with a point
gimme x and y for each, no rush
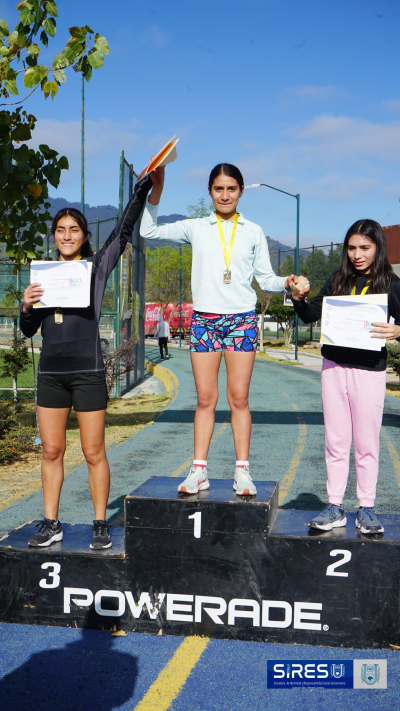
(124, 418)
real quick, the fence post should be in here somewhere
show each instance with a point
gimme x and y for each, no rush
(279, 271)
(331, 258)
(312, 287)
(97, 235)
(118, 269)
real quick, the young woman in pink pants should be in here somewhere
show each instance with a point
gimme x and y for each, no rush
(354, 380)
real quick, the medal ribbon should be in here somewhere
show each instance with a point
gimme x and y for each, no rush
(227, 257)
(364, 291)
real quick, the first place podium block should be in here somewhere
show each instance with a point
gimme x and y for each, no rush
(212, 564)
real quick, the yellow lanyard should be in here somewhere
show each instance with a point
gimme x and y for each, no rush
(221, 234)
(364, 291)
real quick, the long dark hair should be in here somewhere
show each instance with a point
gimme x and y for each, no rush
(226, 169)
(381, 272)
(86, 250)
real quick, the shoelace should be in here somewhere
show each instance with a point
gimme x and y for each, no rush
(329, 509)
(100, 529)
(43, 524)
(369, 514)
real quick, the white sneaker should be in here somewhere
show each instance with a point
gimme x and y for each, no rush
(243, 483)
(195, 481)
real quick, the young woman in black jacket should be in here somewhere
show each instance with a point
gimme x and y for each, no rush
(71, 370)
(354, 380)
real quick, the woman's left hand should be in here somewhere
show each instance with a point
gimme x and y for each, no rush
(385, 330)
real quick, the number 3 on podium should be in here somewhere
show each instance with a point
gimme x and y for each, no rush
(196, 524)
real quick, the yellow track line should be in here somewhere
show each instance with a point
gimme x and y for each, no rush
(173, 677)
(393, 454)
(294, 464)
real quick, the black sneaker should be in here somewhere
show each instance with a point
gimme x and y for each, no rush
(101, 535)
(49, 532)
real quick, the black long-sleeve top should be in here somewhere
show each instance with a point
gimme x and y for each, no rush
(351, 357)
(73, 346)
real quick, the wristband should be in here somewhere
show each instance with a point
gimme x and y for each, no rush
(287, 285)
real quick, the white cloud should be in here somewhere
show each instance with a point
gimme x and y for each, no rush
(154, 36)
(392, 105)
(332, 138)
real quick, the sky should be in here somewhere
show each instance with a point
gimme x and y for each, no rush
(300, 94)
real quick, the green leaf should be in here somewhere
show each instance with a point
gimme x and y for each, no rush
(60, 60)
(49, 26)
(88, 74)
(31, 255)
(89, 30)
(44, 39)
(31, 61)
(101, 45)
(12, 38)
(50, 87)
(30, 78)
(33, 49)
(51, 8)
(59, 76)
(4, 51)
(95, 59)
(26, 16)
(4, 28)
(63, 163)
(47, 152)
(11, 87)
(78, 33)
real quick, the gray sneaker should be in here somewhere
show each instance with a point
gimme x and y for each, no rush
(331, 517)
(367, 521)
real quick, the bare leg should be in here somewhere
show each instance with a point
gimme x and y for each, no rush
(91, 426)
(52, 425)
(205, 370)
(239, 367)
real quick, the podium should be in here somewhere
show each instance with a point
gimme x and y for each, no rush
(212, 564)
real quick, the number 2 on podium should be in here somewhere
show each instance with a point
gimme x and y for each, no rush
(196, 524)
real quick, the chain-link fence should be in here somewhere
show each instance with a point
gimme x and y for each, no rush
(123, 302)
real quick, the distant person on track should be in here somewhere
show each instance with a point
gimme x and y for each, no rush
(71, 370)
(163, 333)
(228, 251)
(354, 380)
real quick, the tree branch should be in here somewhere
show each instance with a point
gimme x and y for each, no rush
(14, 103)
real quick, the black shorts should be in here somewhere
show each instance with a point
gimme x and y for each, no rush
(86, 392)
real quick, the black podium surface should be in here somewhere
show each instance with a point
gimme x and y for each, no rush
(212, 564)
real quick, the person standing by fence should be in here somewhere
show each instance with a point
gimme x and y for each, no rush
(163, 333)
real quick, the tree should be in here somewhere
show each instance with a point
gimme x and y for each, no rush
(263, 299)
(119, 361)
(284, 315)
(24, 172)
(162, 275)
(199, 209)
(15, 360)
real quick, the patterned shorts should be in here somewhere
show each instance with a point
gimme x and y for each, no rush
(231, 332)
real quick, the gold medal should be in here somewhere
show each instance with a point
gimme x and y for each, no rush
(227, 276)
(58, 316)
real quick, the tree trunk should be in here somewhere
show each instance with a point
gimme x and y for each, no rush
(287, 334)
(15, 391)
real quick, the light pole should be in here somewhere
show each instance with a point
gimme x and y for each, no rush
(83, 150)
(297, 197)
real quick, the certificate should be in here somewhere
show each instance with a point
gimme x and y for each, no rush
(346, 320)
(65, 284)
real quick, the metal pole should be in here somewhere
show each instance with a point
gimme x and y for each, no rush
(97, 236)
(331, 258)
(180, 296)
(312, 287)
(83, 150)
(118, 270)
(279, 271)
(296, 340)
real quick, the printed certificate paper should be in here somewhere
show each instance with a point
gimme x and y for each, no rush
(346, 320)
(65, 284)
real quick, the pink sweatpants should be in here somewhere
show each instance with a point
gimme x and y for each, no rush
(352, 401)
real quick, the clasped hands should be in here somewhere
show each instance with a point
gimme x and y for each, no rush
(300, 286)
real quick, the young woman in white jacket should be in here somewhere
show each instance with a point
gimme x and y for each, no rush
(228, 251)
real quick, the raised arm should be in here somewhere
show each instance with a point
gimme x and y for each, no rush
(149, 229)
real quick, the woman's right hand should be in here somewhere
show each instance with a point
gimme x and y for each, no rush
(32, 294)
(157, 178)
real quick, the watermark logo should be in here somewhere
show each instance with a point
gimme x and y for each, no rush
(332, 674)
